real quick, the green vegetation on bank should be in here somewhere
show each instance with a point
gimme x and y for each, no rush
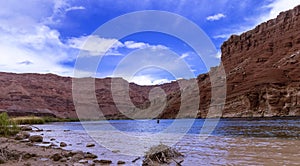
(7, 127)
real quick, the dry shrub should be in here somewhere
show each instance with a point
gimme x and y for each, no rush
(161, 154)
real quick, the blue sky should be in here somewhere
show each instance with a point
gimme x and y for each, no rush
(47, 36)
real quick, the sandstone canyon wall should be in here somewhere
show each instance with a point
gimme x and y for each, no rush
(262, 67)
(262, 72)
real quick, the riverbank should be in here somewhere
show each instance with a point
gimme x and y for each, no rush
(16, 153)
(26, 145)
(29, 153)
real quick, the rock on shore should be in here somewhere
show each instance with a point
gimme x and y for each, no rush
(15, 152)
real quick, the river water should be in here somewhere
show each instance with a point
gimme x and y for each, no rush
(232, 142)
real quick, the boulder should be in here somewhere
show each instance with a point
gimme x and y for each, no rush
(121, 162)
(77, 157)
(90, 155)
(36, 138)
(102, 161)
(56, 157)
(22, 135)
(63, 160)
(63, 144)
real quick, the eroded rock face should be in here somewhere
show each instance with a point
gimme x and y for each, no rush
(262, 66)
(36, 94)
(51, 95)
(262, 72)
(262, 80)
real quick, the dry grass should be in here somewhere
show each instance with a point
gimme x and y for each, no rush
(40, 120)
(28, 120)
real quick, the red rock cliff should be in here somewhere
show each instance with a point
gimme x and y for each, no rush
(262, 67)
(262, 72)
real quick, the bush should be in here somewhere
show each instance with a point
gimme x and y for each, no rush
(7, 127)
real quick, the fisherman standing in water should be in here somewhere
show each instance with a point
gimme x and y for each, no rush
(157, 121)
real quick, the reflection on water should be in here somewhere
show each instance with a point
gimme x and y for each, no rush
(233, 142)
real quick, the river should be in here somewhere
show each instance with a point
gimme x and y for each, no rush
(231, 142)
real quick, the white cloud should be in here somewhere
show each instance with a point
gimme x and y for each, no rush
(59, 10)
(234, 31)
(274, 8)
(148, 80)
(15, 57)
(152, 64)
(222, 36)
(278, 6)
(95, 45)
(20, 60)
(75, 8)
(215, 17)
(27, 44)
(141, 45)
(184, 55)
(135, 45)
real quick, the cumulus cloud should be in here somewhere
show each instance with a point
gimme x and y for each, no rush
(32, 47)
(215, 17)
(160, 64)
(278, 6)
(141, 45)
(95, 45)
(28, 44)
(135, 45)
(148, 80)
(37, 51)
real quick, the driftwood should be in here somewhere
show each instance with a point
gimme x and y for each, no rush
(161, 154)
(136, 159)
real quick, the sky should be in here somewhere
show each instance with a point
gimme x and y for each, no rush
(48, 36)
